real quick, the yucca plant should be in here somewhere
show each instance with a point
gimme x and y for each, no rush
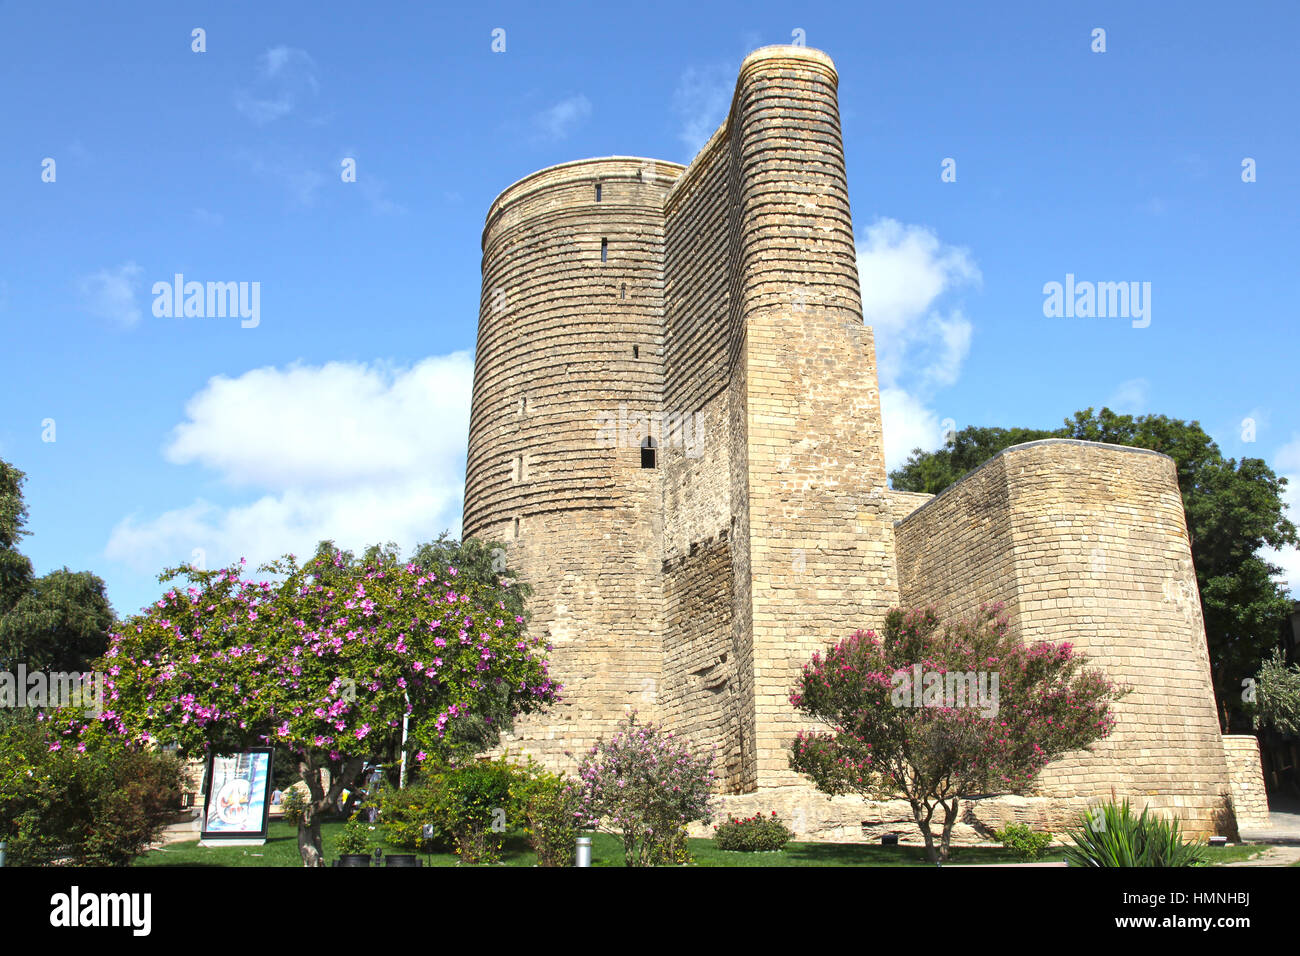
(1112, 836)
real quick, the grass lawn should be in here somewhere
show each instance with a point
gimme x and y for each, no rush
(281, 849)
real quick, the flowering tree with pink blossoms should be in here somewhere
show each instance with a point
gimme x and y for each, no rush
(644, 784)
(935, 713)
(327, 661)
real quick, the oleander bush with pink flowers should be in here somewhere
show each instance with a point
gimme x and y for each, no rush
(888, 740)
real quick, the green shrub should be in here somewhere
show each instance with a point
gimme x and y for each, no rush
(358, 837)
(1111, 836)
(644, 784)
(673, 851)
(405, 813)
(294, 805)
(100, 806)
(549, 803)
(753, 834)
(478, 808)
(1025, 843)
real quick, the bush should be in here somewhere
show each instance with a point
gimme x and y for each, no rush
(97, 806)
(752, 835)
(477, 808)
(1025, 843)
(673, 851)
(294, 805)
(645, 785)
(358, 837)
(405, 813)
(1111, 836)
(550, 812)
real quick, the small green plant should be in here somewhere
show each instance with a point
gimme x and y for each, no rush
(753, 834)
(294, 805)
(477, 808)
(1025, 843)
(674, 851)
(549, 803)
(1110, 836)
(405, 813)
(357, 837)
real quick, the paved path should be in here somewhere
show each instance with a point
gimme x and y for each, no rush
(1273, 856)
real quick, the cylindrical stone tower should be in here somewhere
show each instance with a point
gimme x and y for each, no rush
(569, 365)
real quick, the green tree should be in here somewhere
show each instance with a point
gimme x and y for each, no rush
(1233, 508)
(60, 623)
(15, 568)
(57, 622)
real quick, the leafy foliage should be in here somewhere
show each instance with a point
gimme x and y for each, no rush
(358, 837)
(60, 623)
(326, 662)
(753, 834)
(1111, 836)
(57, 622)
(1047, 703)
(646, 785)
(1024, 842)
(98, 802)
(1277, 689)
(1234, 508)
(549, 805)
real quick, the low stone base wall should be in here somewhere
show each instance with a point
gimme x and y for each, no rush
(814, 816)
(1249, 798)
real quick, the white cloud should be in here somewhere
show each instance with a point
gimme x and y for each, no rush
(701, 102)
(286, 77)
(111, 294)
(558, 121)
(354, 452)
(1130, 397)
(904, 271)
(908, 424)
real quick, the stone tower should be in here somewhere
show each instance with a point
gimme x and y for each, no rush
(676, 429)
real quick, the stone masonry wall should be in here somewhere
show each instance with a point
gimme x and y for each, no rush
(715, 310)
(568, 374)
(819, 525)
(1087, 543)
(1249, 798)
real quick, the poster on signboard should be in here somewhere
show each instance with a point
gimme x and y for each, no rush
(238, 795)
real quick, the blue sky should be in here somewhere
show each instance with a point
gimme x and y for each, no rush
(343, 412)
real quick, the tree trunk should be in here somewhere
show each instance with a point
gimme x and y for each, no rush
(309, 836)
(949, 819)
(923, 821)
